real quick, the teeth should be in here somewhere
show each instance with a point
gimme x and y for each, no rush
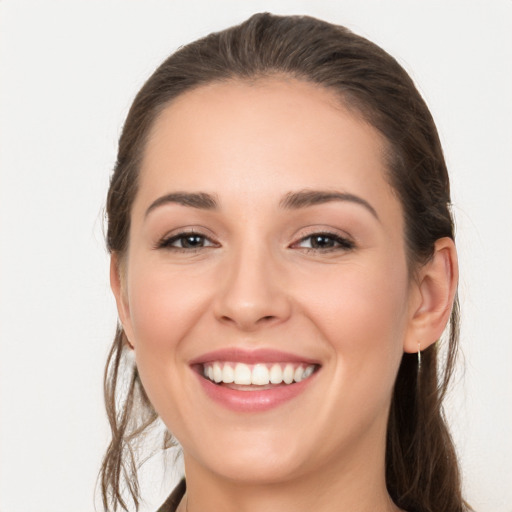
(276, 374)
(259, 374)
(307, 372)
(288, 374)
(228, 374)
(242, 374)
(217, 372)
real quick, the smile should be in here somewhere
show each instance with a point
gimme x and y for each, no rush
(255, 380)
(251, 376)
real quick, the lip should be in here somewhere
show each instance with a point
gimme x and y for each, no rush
(261, 355)
(252, 401)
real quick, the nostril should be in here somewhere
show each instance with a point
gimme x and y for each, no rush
(266, 318)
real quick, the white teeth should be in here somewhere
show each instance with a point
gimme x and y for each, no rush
(228, 374)
(276, 374)
(288, 374)
(259, 374)
(242, 374)
(299, 372)
(217, 372)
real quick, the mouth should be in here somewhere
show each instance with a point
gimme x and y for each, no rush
(254, 381)
(255, 377)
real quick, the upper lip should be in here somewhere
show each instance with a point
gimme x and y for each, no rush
(260, 355)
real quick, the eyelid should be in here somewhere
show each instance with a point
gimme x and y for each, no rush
(165, 241)
(345, 241)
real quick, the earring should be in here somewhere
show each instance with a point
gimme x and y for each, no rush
(419, 356)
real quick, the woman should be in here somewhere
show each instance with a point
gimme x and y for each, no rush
(283, 265)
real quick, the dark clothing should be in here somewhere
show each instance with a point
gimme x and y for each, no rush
(172, 502)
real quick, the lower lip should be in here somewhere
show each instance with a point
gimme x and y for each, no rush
(253, 401)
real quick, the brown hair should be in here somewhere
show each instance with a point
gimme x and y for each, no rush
(421, 466)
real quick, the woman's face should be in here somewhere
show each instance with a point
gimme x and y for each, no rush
(266, 244)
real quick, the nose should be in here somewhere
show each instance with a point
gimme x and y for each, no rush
(253, 291)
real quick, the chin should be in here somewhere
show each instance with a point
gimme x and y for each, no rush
(255, 469)
(258, 458)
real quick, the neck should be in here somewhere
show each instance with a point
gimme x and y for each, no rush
(354, 486)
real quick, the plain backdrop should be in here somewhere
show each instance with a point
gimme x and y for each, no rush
(68, 73)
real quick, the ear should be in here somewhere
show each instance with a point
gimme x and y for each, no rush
(433, 296)
(118, 286)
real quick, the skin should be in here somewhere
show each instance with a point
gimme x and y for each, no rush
(257, 283)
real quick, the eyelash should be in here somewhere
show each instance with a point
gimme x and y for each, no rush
(342, 244)
(339, 243)
(166, 243)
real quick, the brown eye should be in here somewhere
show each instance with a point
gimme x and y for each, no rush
(186, 241)
(322, 242)
(325, 241)
(191, 241)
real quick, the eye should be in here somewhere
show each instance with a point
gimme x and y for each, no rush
(324, 242)
(186, 241)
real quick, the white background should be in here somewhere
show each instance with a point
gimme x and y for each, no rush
(68, 72)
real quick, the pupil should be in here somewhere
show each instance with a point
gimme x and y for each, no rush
(192, 241)
(322, 241)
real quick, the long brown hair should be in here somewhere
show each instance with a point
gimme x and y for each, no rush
(422, 473)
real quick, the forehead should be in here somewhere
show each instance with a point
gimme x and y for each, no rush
(241, 136)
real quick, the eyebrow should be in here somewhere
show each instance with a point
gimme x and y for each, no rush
(305, 198)
(291, 201)
(200, 200)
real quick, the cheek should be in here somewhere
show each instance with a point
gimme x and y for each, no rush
(163, 306)
(362, 319)
(361, 311)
